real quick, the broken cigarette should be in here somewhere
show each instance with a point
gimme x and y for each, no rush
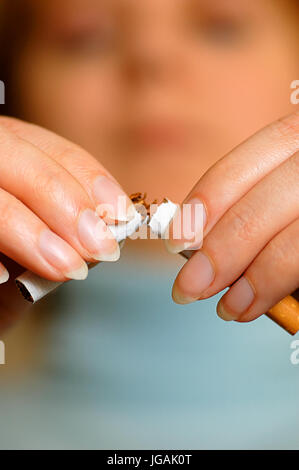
(34, 288)
(285, 313)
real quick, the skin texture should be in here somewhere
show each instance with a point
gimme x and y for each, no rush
(155, 93)
(259, 216)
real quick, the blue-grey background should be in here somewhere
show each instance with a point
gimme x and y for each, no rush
(123, 367)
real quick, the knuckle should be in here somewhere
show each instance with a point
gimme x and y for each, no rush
(295, 162)
(65, 154)
(79, 161)
(59, 194)
(7, 214)
(289, 126)
(284, 252)
(71, 151)
(48, 182)
(244, 223)
(277, 251)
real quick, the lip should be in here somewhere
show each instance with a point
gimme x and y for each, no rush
(158, 133)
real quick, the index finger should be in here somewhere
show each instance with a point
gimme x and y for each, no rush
(235, 174)
(102, 188)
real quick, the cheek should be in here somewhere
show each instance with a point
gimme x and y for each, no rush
(241, 93)
(88, 103)
(78, 102)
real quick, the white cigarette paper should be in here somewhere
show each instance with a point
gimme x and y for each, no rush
(161, 219)
(159, 222)
(34, 288)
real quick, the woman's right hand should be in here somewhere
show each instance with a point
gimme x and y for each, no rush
(51, 195)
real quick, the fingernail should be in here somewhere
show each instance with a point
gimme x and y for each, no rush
(96, 237)
(79, 274)
(181, 299)
(222, 313)
(62, 256)
(236, 301)
(197, 278)
(113, 203)
(186, 232)
(4, 274)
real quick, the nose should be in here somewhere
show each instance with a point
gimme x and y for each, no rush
(151, 57)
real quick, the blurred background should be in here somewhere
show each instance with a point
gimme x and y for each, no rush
(157, 91)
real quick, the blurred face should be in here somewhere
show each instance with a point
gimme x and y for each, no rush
(158, 90)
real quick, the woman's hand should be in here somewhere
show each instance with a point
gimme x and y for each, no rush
(251, 226)
(50, 191)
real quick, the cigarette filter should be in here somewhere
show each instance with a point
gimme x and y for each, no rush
(285, 313)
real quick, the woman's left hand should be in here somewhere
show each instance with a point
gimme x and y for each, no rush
(251, 226)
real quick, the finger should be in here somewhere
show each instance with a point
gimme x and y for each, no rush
(12, 306)
(235, 174)
(4, 275)
(271, 276)
(111, 201)
(28, 241)
(55, 196)
(243, 231)
(14, 269)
